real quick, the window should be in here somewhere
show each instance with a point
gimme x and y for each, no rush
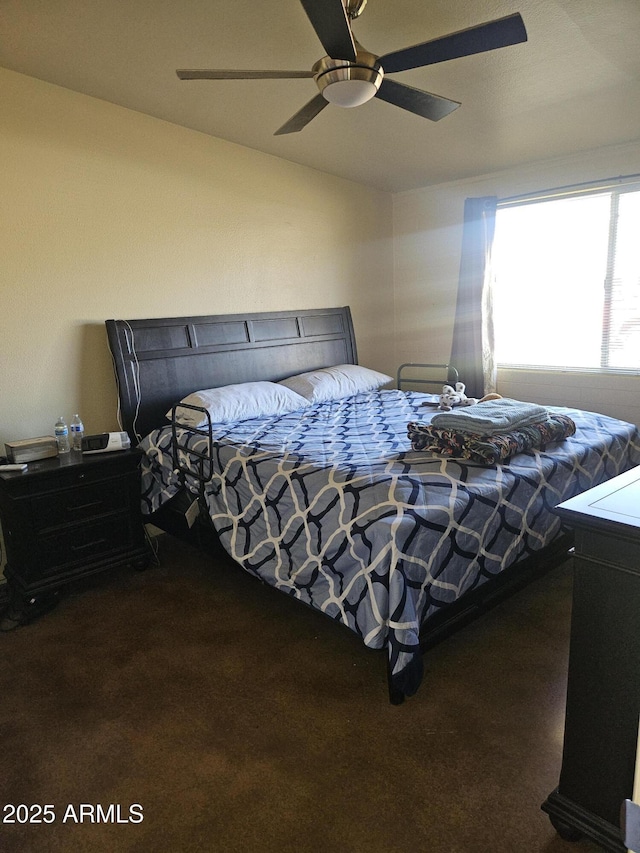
(567, 281)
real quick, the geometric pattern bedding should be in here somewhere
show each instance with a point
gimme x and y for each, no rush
(332, 506)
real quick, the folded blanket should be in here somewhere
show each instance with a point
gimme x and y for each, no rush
(491, 417)
(489, 449)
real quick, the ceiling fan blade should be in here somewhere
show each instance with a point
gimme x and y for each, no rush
(329, 20)
(489, 36)
(213, 74)
(303, 117)
(416, 101)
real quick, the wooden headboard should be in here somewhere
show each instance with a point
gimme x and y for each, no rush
(159, 361)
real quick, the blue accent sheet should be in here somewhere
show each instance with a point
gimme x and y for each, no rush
(332, 506)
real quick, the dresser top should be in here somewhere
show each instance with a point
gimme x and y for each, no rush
(615, 502)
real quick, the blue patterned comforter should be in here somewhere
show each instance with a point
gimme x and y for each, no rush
(332, 506)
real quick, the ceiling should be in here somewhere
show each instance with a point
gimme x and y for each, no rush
(573, 86)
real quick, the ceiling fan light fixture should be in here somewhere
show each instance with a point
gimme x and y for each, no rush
(349, 85)
(349, 93)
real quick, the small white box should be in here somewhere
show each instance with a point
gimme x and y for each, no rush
(30, 449)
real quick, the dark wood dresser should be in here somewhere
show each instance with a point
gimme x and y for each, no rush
(66, 518)
(603, 689)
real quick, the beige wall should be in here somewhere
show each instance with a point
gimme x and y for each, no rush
(109, 213)
(427, 240)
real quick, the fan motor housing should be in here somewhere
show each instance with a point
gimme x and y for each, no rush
(359, 81)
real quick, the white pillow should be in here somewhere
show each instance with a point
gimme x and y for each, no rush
(238, 402)
(333, 383)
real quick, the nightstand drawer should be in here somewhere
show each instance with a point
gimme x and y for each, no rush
(83, 543)
(83, 502)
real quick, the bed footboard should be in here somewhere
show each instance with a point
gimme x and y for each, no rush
(479, 601)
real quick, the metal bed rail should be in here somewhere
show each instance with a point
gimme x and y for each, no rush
(202, 469)
(450, 376)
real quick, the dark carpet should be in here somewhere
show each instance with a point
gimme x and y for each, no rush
(230, 718)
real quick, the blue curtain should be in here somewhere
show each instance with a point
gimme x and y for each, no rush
(472, 351)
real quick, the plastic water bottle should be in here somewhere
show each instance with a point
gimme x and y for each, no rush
(62, 435)
(77, 432)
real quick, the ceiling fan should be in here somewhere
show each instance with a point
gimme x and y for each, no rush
(350, 76)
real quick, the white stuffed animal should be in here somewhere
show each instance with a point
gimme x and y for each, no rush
(451, 397)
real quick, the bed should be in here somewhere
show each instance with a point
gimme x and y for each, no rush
(329, 503)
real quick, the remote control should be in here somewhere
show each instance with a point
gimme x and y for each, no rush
(17, 467)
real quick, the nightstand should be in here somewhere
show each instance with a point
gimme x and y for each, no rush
(66, 518)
